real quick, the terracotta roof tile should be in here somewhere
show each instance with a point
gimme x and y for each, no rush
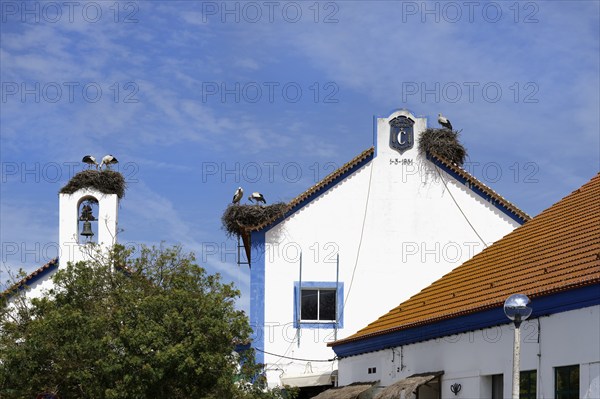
(324, 184)
(474, 182)
(320, 186)
(25, 280)
(558, 250)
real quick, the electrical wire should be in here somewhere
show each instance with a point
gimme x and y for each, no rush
(362, 232)
(349, 288)
(286, 351)
(295, 358)
(458, 206)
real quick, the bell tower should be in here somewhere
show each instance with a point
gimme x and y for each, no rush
(88, 214)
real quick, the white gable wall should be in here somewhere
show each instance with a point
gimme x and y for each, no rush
(471, 358)
(72, 247)
(39, 287)
(413, 234)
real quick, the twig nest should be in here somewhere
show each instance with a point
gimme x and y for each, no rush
(238, 218)
(443, 142)
(105, 181)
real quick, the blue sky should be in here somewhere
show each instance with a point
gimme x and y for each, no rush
(197, 98)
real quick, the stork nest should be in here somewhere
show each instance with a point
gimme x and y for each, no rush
(444, 143)
(105, 181)
(238, 218)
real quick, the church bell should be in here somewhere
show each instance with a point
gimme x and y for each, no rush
(87, 229)
(86, 216)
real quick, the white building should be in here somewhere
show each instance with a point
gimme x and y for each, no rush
(398, 221)
(455, 331)
(75, 247)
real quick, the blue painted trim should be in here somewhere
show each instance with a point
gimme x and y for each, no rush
(257, 293)
(368, 159)
(311, 198)
(476, 190)
(542, 306)
(239, 348)
(375, 117)
(53, 266)
(339, 303)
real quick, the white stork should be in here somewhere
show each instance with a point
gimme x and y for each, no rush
(442, 120)
(258, 197)
(90, 160)
(239, 193)
(108, 160)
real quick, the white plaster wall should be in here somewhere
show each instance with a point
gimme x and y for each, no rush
(413, 234)
(70, 249)
(39, 287)
(567, 338)
(108, 206)
(589, 375)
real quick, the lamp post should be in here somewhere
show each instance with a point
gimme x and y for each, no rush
(516, 309)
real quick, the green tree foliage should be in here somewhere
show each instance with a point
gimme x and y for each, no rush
(155, 326)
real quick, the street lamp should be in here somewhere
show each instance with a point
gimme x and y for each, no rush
(516, 309)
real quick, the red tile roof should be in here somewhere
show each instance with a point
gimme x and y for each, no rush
(324, 184)
(558, 250)
(24, 281)
(473, 182)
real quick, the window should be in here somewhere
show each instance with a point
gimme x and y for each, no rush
(319, 304)
(498, 386)
(528, 384)
(566, 382)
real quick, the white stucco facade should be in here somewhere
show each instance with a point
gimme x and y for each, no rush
(471, 358)
(73, 248)
(396, 226)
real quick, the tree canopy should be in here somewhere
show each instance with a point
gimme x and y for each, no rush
(154, 326)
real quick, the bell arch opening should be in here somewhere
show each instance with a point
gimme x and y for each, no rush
(87, 220)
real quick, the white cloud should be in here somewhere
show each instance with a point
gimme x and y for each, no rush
(369, 54)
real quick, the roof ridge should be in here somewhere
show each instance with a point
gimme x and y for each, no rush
(489, 191)
(572, 263)
(24, 280)
(323, 183)
(320, 185)
(468, 310)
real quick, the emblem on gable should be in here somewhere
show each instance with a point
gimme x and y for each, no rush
(401, 134)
